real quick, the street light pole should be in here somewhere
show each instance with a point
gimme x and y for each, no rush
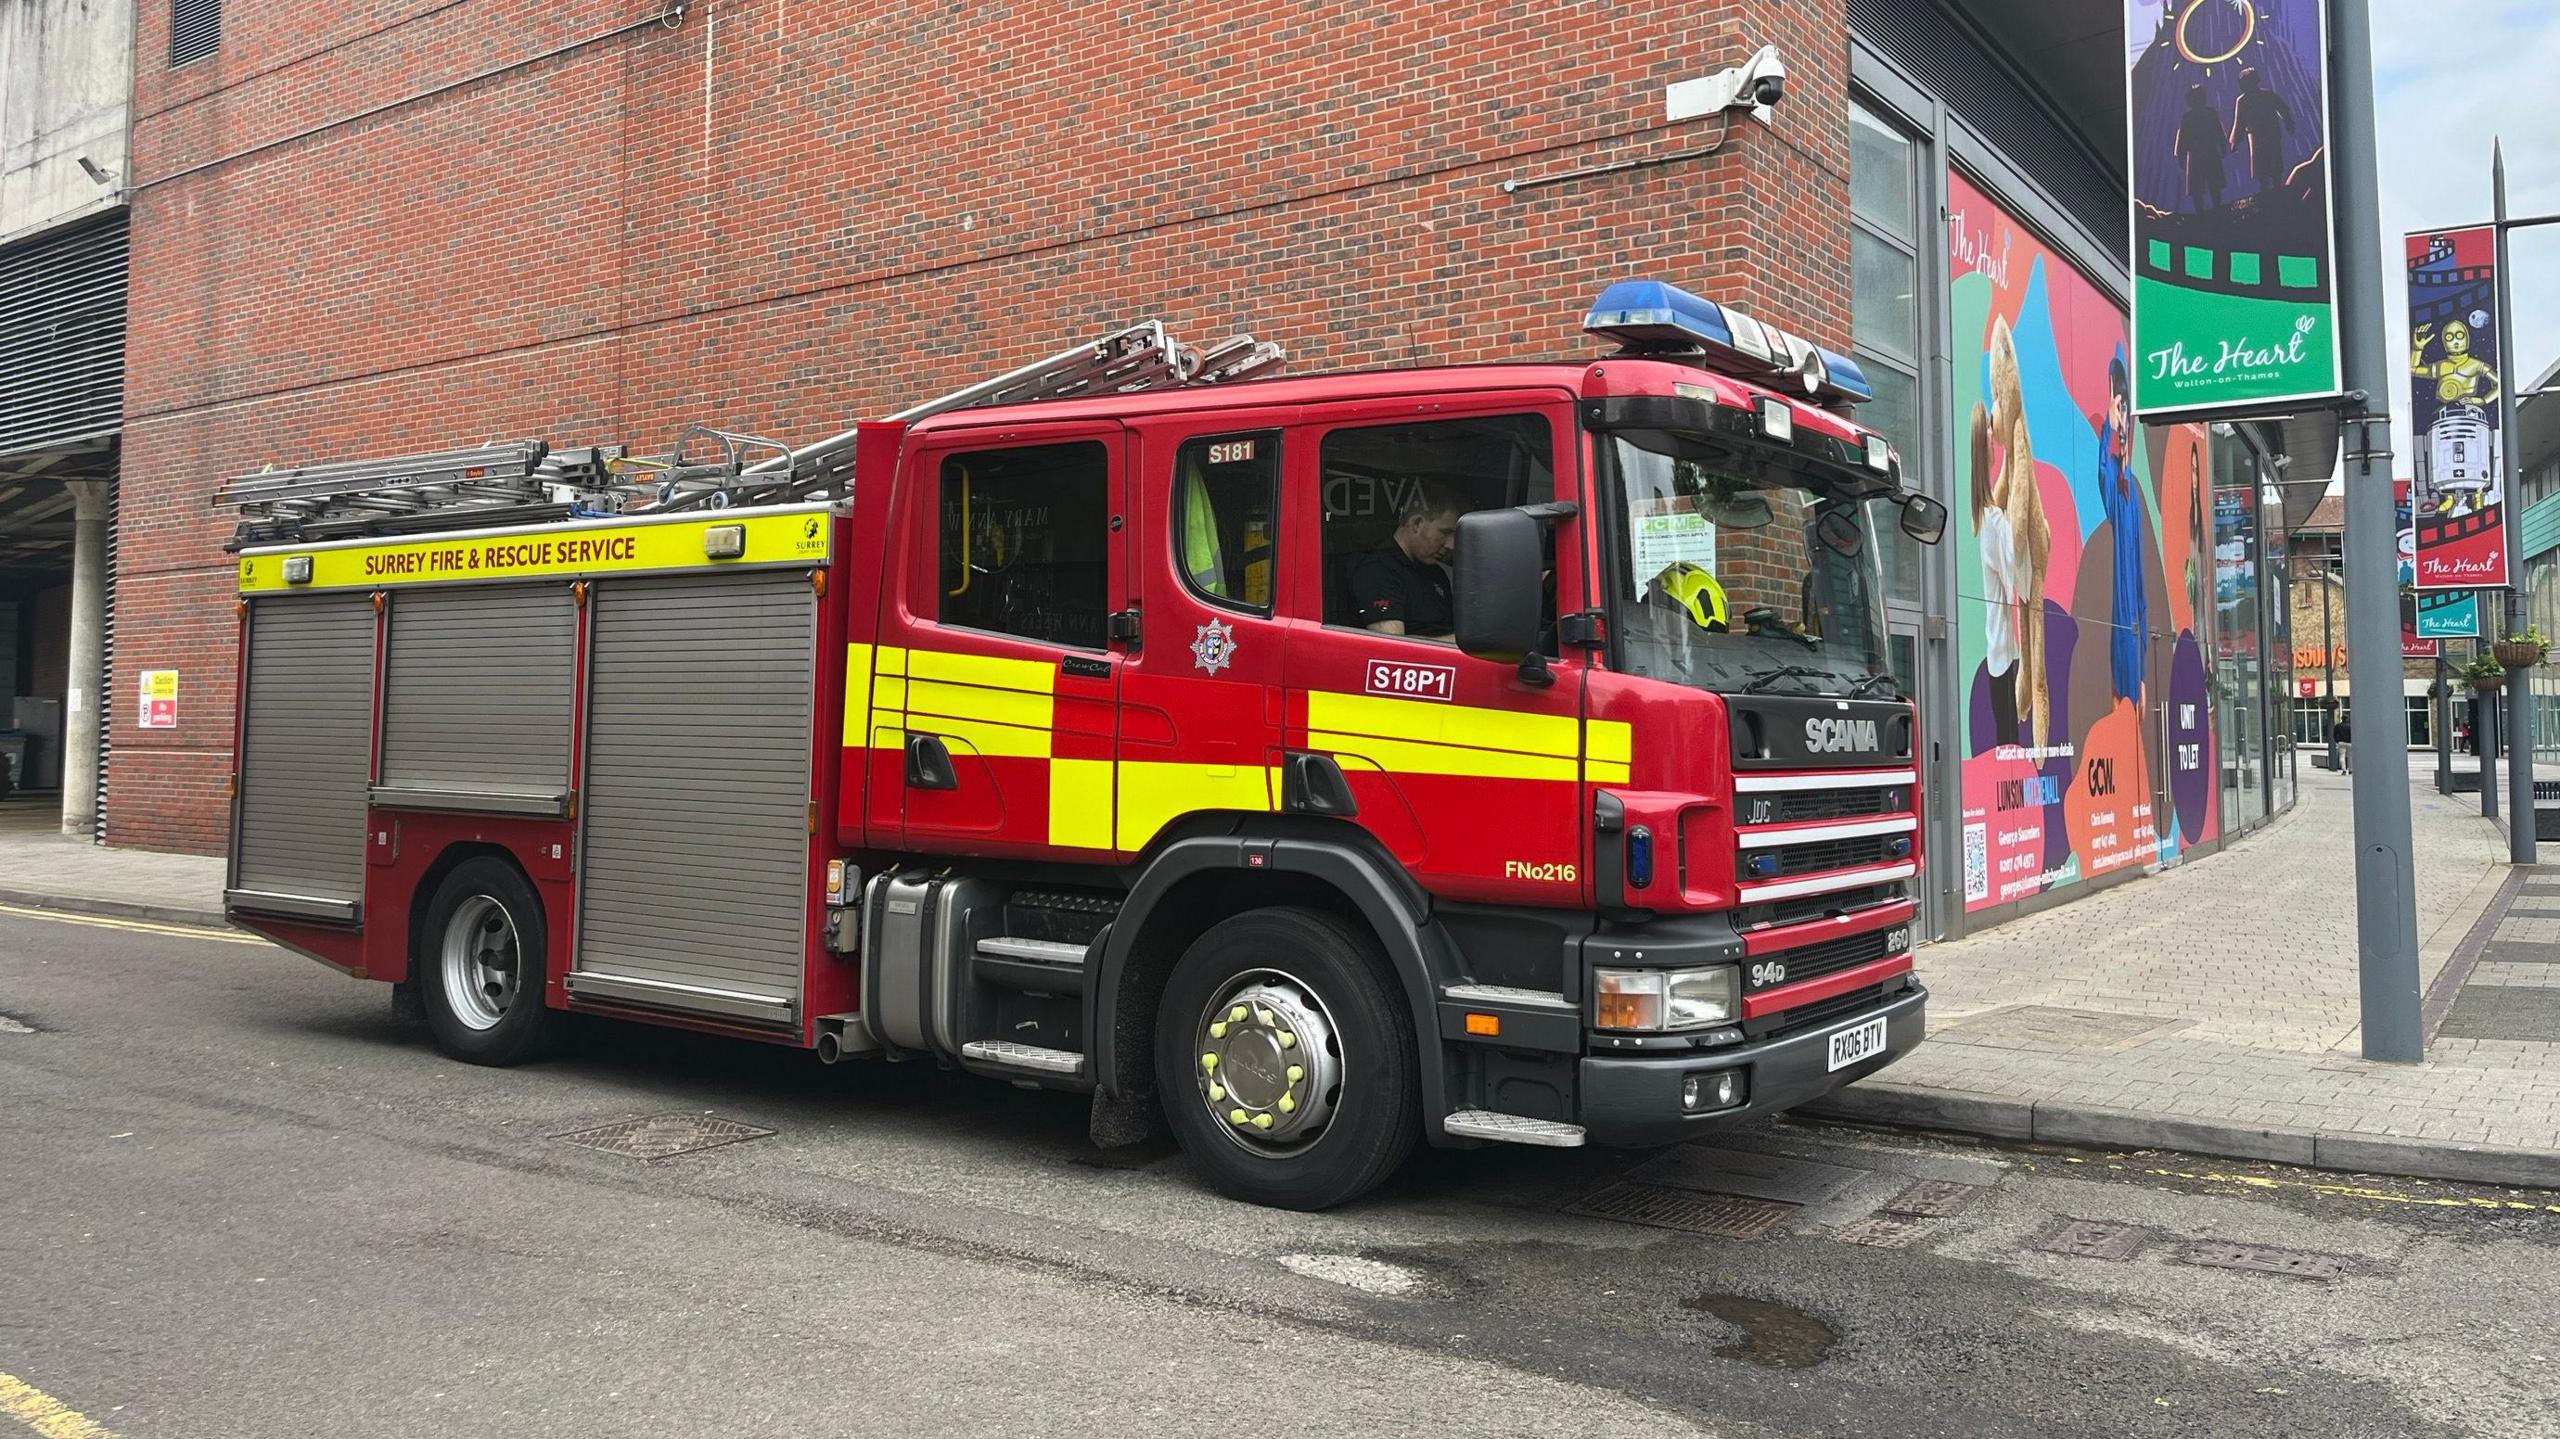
(2329, 657)
(2386, 890)
(2521, 820)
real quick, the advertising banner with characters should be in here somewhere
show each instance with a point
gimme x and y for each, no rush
(2454, 350)
(2234, 267)
(2088, 737)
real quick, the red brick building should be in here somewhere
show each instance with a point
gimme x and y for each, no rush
(367, 229)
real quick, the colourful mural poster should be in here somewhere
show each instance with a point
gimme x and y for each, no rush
(2454, 350)
(2234, 268)
(2089, 743)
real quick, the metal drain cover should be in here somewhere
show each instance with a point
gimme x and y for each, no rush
(660, 1136)
(1721, 1215)
(1934, 1199)
(2259, 1259)
(2095, 1239)
(1881, 1231)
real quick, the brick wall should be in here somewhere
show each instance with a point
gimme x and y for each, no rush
(370, 227)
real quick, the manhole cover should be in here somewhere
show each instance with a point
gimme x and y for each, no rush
(1717, 1214)
(1753, 1176)
(2259, 1259)
(1934, 1199)
(662, 1135)
(1881, 1231)
(2095, 1239)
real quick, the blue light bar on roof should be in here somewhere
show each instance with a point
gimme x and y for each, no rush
(1649, 317)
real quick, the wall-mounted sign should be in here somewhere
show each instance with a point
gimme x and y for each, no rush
(2234, 283)
(158, 697)
(2454, 350)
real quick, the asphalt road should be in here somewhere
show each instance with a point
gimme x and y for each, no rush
(238, 1197)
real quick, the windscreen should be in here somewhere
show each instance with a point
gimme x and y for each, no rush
(1732, 577)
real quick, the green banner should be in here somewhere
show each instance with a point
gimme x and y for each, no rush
(2234, 257)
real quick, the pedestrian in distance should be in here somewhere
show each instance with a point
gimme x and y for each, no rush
(2346, 747)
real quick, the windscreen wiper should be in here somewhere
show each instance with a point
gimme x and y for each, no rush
(1766, 678)
(1892, 686)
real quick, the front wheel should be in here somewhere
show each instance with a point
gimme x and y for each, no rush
(1287, 1061)
(480, 965)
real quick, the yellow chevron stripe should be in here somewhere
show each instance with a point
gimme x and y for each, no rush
(1154, 794)
(1422, 720)
(1405, 757)
(1080, 803)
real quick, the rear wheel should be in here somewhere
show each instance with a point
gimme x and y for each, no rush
(1286, 1060)
(480, 966)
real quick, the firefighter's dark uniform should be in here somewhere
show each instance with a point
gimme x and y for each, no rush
(1389, 585)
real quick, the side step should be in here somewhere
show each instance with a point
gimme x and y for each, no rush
(1009, 1055)
(1047, 966)
(1513, 1129)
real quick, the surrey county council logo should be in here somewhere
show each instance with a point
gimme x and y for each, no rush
(1214, 647)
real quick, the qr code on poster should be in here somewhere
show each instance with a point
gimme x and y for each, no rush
(1977, 862)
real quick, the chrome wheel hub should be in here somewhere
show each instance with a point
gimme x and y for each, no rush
(482, 962)
(1269, 1062)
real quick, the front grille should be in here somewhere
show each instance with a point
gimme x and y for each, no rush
(1794, 859)
(1808, 1016)
(1826, 804)
(1812, 961)
(1818, 906)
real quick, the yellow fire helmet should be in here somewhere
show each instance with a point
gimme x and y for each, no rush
(1690, 585)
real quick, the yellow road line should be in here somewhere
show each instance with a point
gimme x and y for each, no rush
(45, 1414)
(2343, 1191)
(100, 921)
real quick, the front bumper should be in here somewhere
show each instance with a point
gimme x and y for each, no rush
(1635, 1102)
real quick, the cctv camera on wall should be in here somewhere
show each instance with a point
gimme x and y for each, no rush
(1755, 85)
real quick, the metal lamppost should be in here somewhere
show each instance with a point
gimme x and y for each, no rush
(2329, 658)
(2386, 886)
(2521, 821)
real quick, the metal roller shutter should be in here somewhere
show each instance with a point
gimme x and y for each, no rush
(477, 690)
(306, 748)
(693, 870)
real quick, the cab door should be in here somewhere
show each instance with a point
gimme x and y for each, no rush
(1468, 772)
(1201, 718)
(994, 675)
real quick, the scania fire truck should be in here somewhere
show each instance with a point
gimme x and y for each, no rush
(1317, 765)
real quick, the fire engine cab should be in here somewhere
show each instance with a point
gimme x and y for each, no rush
(1484, 753)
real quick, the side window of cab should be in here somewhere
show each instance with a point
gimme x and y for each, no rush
(1392, 496)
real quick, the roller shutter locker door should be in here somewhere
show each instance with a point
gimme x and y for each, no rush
(306, 748)
(693, 868)
(478, 685)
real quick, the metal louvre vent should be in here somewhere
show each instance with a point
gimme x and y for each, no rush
(1836, 804)
(195, 30)
(1939, 54)
(107, 663)
(1795, 859)
(1819, 906)
(62, 337)
(1812, 961)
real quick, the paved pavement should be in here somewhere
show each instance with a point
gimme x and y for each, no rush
(40, 867)
(2214, 1008)
(240, 1198)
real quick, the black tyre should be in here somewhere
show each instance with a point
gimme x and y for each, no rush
(1286, 1060)
(480, 965)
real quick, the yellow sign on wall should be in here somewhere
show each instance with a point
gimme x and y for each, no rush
(769, 537)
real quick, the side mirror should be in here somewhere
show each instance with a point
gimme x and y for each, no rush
(1498, 597)
(1924, 519)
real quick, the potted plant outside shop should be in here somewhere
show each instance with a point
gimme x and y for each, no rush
(2520, 650)
(2484, 675)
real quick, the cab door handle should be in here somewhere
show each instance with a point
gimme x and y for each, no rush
(929, 763)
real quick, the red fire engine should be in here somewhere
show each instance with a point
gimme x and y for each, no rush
(1482, 753)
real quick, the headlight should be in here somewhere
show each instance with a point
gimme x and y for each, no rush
(1654, 1000)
